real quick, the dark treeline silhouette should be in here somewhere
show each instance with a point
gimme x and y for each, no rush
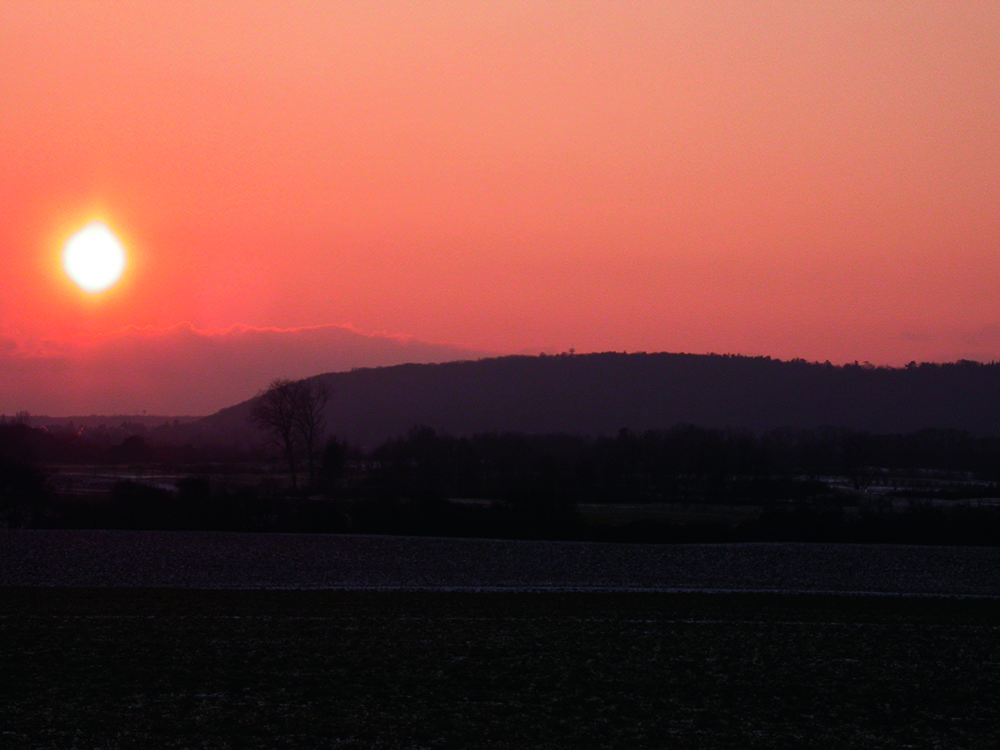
(102, 439)
(930, 486)
(686, 464)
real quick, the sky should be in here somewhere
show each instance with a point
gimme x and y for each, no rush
(793, 179)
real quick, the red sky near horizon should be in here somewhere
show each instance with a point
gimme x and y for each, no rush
(809, 179)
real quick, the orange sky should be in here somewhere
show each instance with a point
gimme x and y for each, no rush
(798, 179)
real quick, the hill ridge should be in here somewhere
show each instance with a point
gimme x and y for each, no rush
(601, 393)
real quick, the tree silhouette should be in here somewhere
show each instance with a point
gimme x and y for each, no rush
(292, 413)
(310, 421)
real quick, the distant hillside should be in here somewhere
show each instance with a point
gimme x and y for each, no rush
(185, 370)
(93, 421)
(601, 393)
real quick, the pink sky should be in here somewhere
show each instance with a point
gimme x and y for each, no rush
(796, 179)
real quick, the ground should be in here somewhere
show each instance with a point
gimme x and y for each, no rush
(124, 668)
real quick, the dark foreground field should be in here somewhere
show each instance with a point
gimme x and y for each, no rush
(118, 668)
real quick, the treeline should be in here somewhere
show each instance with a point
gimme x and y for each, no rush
(102, 442)
(685, 463)
(682, 464)
(824, 484)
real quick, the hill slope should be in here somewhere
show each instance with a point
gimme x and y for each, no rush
(601, 393)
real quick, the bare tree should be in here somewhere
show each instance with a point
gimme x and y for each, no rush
(310, 420)
(273, 412)
(292, 413)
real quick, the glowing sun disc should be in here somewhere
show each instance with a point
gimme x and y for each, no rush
(94, 258)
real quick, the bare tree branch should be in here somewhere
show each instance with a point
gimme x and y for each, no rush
(291, 412)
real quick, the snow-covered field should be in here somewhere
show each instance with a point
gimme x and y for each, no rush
(308, 561)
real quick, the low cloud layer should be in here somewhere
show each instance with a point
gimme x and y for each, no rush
(185, 371)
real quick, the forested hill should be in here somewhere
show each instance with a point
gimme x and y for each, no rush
(601, 393)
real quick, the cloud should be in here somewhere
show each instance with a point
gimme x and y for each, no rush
(184, 370)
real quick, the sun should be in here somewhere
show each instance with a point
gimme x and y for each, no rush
(94, 258)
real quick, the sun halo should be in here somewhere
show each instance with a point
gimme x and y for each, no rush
(94, 258)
